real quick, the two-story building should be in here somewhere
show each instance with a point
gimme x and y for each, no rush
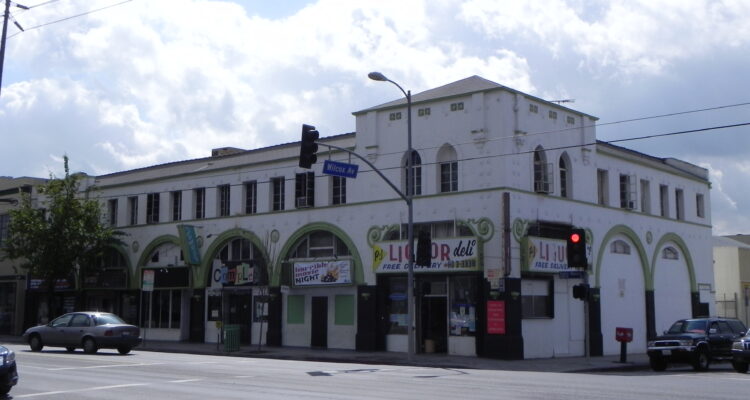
(296, 257)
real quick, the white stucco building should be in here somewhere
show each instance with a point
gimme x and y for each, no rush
(501, 176)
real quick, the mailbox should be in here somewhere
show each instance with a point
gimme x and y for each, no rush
(624, 335)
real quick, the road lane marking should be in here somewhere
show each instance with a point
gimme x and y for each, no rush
(19, 396)
(106, 366)
(186, 380)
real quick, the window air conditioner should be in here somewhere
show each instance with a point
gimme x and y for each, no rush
(302, 202)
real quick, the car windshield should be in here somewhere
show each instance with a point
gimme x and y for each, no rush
(105, 319)
(689, 326)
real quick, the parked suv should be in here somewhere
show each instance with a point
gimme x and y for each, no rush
(697, 341)
(741, 353)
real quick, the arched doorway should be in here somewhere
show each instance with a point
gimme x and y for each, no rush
(237, 287)
(319, 272)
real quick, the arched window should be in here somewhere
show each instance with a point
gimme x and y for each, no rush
(447, 169)
(542, 177)
(565, 176)
(620, 247)
(416, 163)
(240, 251)
(670, 253)
(319, 244)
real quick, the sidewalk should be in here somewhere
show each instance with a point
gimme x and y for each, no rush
(561, 364)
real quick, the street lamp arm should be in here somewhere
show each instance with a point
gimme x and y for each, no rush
(401, 194)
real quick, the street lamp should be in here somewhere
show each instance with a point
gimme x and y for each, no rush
(377, 76)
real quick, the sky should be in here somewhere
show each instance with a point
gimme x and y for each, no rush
(117, 85)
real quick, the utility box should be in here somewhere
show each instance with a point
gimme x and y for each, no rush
(231, 337)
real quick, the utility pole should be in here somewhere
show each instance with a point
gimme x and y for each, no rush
(4, 37)
(2, 41)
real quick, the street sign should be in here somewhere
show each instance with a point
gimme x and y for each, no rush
(571, 274)
(340, 169)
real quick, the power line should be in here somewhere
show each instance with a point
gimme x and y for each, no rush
(589, 126)
(71, 17)
(255, 171)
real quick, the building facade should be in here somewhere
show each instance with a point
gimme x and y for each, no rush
(13, 278)
(296, 257)
(732, 275)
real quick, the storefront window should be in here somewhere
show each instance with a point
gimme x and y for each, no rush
(164, 306)
(536, 298)
(463, 317)
(396, 304)
(7, 306)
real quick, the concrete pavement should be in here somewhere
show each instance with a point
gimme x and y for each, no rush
(559, 364)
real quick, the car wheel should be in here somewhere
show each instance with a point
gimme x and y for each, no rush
(701, 360)
(70, 349)
(35, 342)
(4, 389)
(124, 349)
(657, 363)
(89, 346)
(740, 367)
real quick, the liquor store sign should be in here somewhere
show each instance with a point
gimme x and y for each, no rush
(545, 255)
(448, 255)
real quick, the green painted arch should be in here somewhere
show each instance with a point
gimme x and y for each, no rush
(359, 277)
(630, 234)
(674, 238)
(199, 279)
(147, 251)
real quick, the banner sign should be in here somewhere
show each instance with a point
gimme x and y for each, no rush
(448, 255)
(546, 255)
(189, 243)
(322, 273)
(41, 284)
(237, 275)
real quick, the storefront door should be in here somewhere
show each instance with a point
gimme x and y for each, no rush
(433, 315)
(319, 324)
(197, 317)
(240, 312)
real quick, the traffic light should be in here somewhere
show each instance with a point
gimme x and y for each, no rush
(577, 249)
(424, 249)
(581, 291)
(308, 147)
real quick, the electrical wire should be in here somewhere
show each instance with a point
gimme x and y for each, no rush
(69, 18)
(256, 171)
(589, 126)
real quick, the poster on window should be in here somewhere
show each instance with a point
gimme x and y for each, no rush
(322, 273)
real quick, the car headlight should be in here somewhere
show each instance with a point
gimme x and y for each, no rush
(650, 344)
(738, 346)
(687, 342)
(9, 357)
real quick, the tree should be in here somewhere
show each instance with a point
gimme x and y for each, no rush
(58, 238)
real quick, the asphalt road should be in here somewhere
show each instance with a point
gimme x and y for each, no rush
(56, 374)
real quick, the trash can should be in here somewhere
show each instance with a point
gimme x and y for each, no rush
(231, 337)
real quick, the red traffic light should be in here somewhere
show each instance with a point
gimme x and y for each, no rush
(575, 238)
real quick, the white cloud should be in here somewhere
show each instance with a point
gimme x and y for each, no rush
(631, 36)
(170, 80)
